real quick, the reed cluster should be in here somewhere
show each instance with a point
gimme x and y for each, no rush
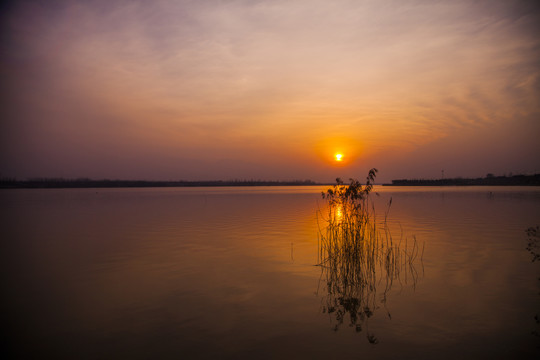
(359, 258)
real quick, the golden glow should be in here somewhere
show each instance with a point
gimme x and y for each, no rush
(339, 150)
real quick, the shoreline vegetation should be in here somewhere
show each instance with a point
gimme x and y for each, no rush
(488, 180)
(46, 183)
(61, 183)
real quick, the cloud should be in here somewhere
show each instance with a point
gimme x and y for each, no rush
(231, 79)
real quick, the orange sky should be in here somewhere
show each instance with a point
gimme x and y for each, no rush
(269, 89)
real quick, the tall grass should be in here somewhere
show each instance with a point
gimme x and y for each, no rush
(359, 258)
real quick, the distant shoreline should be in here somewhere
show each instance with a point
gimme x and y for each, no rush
(490, 180)
(88, 183)
(45, 183)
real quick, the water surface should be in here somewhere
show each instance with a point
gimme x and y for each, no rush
(230, 273)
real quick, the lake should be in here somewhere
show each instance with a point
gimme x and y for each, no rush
(232, 273)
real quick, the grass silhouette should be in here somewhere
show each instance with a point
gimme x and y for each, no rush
(359, 258)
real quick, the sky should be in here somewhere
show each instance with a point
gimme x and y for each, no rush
(273, 90)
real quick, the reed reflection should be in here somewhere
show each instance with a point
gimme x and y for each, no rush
(359, 259)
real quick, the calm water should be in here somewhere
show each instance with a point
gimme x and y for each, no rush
(230, 273)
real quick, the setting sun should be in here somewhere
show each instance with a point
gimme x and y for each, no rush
(339, 157)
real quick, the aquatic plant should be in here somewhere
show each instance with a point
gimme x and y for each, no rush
(533, 247)
(359, 258)
(533, 242)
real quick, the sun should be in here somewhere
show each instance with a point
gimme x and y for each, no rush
(339, 157)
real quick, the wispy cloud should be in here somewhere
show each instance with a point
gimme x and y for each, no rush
(219, 78)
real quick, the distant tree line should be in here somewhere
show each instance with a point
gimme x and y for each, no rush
(48, 183)
(489, 180)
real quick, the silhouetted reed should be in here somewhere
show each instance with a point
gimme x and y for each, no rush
(359, 258)
(533, 247)
(533, 242)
